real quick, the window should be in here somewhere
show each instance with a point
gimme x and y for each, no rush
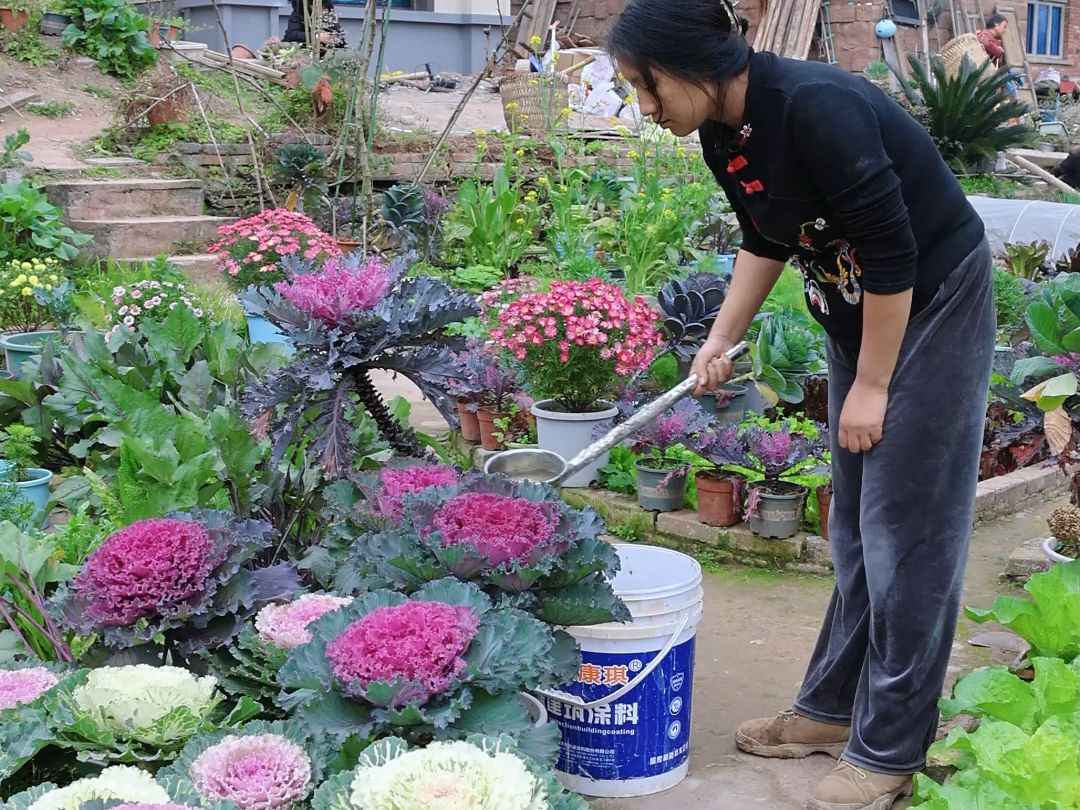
(904, 12)
(1045, 29)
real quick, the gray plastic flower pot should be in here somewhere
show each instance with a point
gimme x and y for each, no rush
(780, 510)
(653, 494)
(21, 346)
(731, 413)
(567, 434)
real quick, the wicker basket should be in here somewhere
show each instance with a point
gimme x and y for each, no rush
(533, 103)
(965, 45)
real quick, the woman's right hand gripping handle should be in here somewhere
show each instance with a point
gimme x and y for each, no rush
(712, 368)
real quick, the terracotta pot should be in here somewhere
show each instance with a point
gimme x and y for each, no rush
(824, 500)
(719, 499)
(242, 52)
(349, 246)
(13, 20)
(153, 36)
(174, 33)
(470, 423)
(487, 416)
(173, 110)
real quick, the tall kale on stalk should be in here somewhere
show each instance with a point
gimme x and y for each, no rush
(347, 318)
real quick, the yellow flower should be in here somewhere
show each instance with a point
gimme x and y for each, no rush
(530, 196)
(633, 155)
(519, 153)
(20, 279)
(614, 120)
(566, 111)
(513, 105)
(631, 99)
(542, 180)
(681, 151)
(668, 214)
(479, 133)
(666, 192)
(54, 277)
(48, 287)
(27, 266)
(535, 41)
(520, 220)
(533, 83)
(27, 291)
(641, 194)
(555, 57)
(34, 281)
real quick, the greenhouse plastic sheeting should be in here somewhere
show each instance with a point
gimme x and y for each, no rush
(1026, 221)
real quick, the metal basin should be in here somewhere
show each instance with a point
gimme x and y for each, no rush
(527, 465)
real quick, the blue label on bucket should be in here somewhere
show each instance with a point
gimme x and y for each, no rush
(643, 733)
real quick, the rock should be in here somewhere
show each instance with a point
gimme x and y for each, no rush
(1026, 560)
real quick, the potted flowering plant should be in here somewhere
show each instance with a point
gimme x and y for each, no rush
(32, 483)
(720, 489)
(774, 507)
(488, 385)
(661, 473)
(250, 252)
(33, 294)
(574, 342)
(14, 14)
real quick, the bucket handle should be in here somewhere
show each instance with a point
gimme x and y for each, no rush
(574, 700)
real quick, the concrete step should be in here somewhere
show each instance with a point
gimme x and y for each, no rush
(137, 197)
(146, 236)
(198, 267)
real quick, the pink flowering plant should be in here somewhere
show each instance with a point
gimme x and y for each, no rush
(187, 580)
(250, 251)
(257, 766)
(387, 323)
(249, 666)
(440, 664)
(518, 541)
(25, 727)
(149, 300)
(577, 339)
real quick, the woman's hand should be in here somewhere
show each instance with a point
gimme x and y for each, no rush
(710, 365)
(862, 417)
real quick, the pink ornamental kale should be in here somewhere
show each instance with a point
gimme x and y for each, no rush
(778, 451)
(19, 686)
(286, 626)
(502, 529)
(148, 566)
(396, 482)
(255, 772)
(674, 426)
(338, 291)
(152, 807)
(417, 642)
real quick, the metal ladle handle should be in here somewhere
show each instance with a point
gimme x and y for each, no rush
(639, 419)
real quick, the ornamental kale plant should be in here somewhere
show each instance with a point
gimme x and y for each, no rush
(318, 391)
(25, 728)
(519, 541)
(484, 377)
(776, 453)
(723, 446)
(138, 713)
(672, 428)
(343, 287)
(439, 665)
(114, 787)
(188, 580)
(249, 665)
(478, 773)
(385, 490)
(257, 766)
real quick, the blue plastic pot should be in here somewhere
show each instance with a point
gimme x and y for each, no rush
(21, 346)
(261, 330)
(36, 491)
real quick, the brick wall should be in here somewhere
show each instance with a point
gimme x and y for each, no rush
(1069, 64)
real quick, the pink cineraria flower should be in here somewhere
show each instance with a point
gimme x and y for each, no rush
(255, 772)
(18, 686)
(397, 482)
(503, 529)
(144, 568)
(286, 626)
(417, 642)
(338, 291)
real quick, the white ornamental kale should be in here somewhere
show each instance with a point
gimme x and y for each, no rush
(118, 784)
(480, 773)
(138, 713)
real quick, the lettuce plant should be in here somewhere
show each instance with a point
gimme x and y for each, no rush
(258, 766)
(188, 580)
(478, 773)
(517, 540)
(1050, 620)
(441, 664)
(339, 343)
(138, 713)
(117, 786)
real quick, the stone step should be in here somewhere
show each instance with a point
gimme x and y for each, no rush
(83, 199)
(146, 236)
(198, 267)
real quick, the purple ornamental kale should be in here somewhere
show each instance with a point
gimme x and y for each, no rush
(777, 452)
(722, 446)
(484, 375)
(674, 426)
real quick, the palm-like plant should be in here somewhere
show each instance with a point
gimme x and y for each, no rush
(969, 114)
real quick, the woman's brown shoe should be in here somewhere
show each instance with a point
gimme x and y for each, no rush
(791, 736)
(849, 787)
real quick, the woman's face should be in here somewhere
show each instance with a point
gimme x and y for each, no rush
(675, 104)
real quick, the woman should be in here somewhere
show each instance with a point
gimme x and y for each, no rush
(824, 169)
(330, 33)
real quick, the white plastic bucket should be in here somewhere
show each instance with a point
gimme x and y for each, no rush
(625, 720)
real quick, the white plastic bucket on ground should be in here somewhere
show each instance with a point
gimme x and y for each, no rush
(625, 720)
